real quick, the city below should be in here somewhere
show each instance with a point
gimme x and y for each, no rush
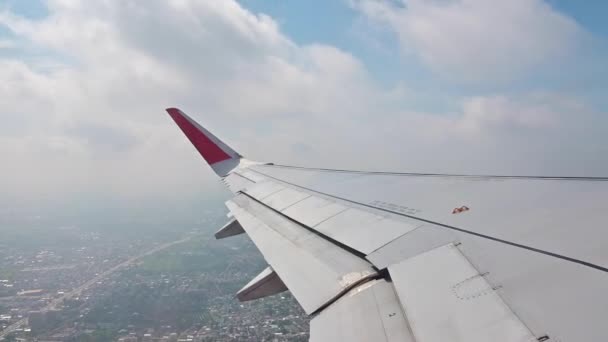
(143, 284)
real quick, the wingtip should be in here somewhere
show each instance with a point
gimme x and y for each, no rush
(173, 111)
(212, 149)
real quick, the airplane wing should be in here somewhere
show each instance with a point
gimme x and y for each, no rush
(381, 256)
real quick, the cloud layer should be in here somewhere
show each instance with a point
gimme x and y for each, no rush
(479, 40)
(85, 117)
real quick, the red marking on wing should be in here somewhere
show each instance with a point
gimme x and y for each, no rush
(205, 146)
(460, 210)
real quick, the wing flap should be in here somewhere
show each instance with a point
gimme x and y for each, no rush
(370, 312)
(443, 280)
(315, 270)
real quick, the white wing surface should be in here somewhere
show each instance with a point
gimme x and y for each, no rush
(378, 256)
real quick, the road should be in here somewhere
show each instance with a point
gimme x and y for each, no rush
(90, 283)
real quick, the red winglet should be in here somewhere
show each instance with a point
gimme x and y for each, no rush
(204, 142)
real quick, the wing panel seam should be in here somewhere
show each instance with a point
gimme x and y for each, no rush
(294, 203)
(247, 178)
(417, 174)
(323, 236)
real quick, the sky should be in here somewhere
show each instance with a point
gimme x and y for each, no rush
(466, 86)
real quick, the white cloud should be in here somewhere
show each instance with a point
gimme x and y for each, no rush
(481, 114)
(95, 124)
(478, 40)
(124, 62)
